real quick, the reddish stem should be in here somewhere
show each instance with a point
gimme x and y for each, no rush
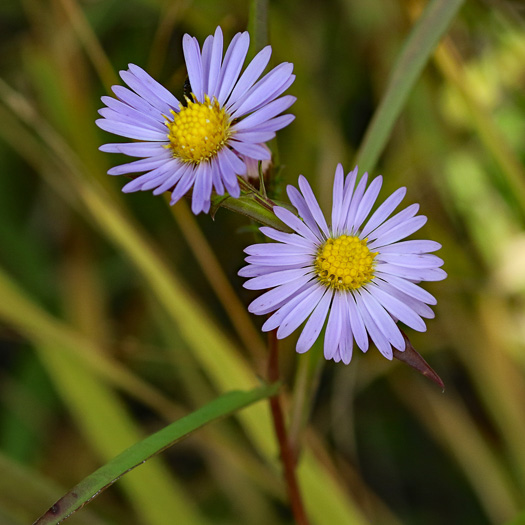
(287, 455)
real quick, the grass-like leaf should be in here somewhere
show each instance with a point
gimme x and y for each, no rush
(137, 454)
(416, 51)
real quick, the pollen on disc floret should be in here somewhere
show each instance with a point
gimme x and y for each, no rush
(198, 131)
(344, 263)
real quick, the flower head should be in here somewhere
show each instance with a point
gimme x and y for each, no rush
(201, 142)
(358, 273)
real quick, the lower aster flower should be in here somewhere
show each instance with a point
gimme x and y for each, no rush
(359, 274)
(200, 143)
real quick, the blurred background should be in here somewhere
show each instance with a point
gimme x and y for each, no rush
(119, 314)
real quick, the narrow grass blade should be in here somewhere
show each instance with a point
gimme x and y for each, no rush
(418, 48)
(137, 454)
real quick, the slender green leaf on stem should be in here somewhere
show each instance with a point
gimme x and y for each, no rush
(137, 454)
(416, 51)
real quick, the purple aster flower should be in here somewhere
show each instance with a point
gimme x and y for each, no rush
(199, 143)
(358, 273)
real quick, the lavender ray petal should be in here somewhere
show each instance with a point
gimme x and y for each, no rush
(125, 109)
(255, 137)
(154, 86)
(214, 69)
(232, 64)
(410, 260)
(398, 309)
(407, 287)
(131, 132)
(399, 232)
(413, 274)
(252, 270)
(296, 224)
(206, 62)
(136, 166)
(255, 151)
(348, 191)
(413, 246)
(137, 102)
(375, 333)
(143, 122)
(184, 184)
(275, 279)
(275, 249)
(270, 301)
(419, 307)
(395, 221)
(134, 149)
(178, 171)
(357, 323)
(192, 57)
(236, 164)
(288, 238)
(145, 91)
(299, 202)
(383, 319)
(268, 88)
(277, 317)
(201, 188)
(313, 205)
(250, 75)
(332, 336)
(315, 324)
(337, 199)
(368, 200)
(383, 212)
(269, 111)
(276, 123)
(299, 314)
(356, 201)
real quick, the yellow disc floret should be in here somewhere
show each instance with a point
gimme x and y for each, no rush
(344, 263)
(198, 131)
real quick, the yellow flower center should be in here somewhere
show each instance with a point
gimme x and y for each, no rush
(344, 263)
(198, 131)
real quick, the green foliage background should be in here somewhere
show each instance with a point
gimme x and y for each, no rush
(118, 314)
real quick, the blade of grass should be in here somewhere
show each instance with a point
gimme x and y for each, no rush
(144, 450)
(418, 48)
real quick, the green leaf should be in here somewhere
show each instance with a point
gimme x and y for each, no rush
(137, 454)
(416, 51)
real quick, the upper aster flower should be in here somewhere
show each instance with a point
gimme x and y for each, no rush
(200, 142)
(358, 273)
